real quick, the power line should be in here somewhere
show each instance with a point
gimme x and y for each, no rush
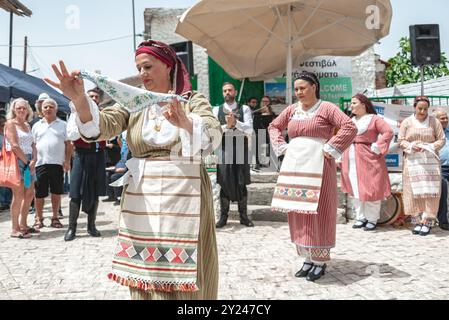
(72, 44)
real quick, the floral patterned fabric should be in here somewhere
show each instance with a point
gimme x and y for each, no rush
(131, 98)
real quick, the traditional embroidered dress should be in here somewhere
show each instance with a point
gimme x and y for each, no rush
(300, 178)
(428, 134)
(364, 173)
(166, 247)
(314, 234)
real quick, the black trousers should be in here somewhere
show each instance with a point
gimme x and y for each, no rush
(442, 210)
(242, 204)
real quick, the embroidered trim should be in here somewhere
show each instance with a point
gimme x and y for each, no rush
(153, 286)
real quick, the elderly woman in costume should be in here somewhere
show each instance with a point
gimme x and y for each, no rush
(364, 173)
(307, 183)
(166, 245)
(421, 136)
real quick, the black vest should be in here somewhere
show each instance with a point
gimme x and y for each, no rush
(222, 114)
(233, 172)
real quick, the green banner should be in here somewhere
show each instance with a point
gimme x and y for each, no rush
(332, 89)
(217, 76)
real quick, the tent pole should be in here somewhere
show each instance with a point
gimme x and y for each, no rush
(241, 89)
(25, 55)
(134, 25)
(288, 87)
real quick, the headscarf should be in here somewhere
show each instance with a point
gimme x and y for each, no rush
(311, 78)
(179, 76)
(419, 99)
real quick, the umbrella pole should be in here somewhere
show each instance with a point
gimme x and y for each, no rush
(241, 89)
(288, 91)
(10, 37)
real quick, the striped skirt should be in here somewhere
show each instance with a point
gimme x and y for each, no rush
(416, 206)
(316, 233)
(207, 272)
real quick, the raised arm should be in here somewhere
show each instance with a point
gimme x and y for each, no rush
(73, 88)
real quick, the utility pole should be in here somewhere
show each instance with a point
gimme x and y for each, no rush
(422, 80)
(25, 55)
(10, 37)
(134, 26)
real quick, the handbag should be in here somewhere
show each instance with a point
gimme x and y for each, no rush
(9, 169)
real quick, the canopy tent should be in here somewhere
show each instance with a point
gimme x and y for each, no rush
(15, 7)
(260, 39)
(16, 84)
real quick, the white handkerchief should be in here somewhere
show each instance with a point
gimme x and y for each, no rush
(131, 98)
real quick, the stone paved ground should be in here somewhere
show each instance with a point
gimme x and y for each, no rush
(255, 263)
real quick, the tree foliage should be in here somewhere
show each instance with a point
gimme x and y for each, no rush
(401, 71)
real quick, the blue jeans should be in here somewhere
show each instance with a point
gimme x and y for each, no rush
(442, 210)
(5, 196)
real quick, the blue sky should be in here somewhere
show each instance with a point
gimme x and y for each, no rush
(102, 19)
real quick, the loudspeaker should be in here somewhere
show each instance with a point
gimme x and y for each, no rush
(184, 50)
(425, 43)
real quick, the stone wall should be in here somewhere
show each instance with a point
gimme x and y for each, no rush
(364, 72)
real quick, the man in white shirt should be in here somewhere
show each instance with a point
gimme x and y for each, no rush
(233, 172)
(53, 158)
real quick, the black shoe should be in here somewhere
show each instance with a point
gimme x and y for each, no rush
(70, 235)
(304, 272)
(246, 222)
(370, 227)
(359, 224)
(93, 232)
(222, 222)
(425, 233)
(91, 218)
(311, 276)
(444, 226)
(417, 229)
(117, 203)
(109, 199)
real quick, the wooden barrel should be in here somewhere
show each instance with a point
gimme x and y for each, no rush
(391, 209)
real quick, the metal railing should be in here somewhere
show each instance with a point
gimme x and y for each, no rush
(403, 100)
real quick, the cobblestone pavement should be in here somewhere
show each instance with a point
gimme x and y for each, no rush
(255, 263)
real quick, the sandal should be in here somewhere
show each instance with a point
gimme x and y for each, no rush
(38, 223)
(30, 230)
(20, 235)
(55, 223)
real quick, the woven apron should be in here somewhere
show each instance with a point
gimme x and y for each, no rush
(299, 183)
(424, 173)
(158, 230)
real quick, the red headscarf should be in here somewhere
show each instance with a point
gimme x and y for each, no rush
(166, 54)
